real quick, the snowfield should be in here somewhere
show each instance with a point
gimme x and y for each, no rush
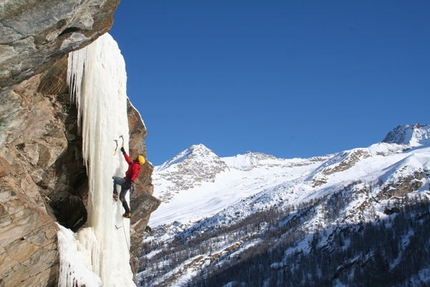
(356, 186)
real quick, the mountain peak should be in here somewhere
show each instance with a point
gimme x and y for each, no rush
(412, 135)
(197, 152)
(191, 167)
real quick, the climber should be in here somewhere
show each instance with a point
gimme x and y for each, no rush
(127, 183)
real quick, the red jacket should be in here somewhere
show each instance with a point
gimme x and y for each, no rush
(133, 168)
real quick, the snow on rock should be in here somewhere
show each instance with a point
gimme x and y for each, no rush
(191, 154)
(245, 161)
(97, 79)
(191, 168)
(355, 186)
(409, 135)
(243, 176)
(256, 180)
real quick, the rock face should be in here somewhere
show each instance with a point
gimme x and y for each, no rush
(36, 33)
(142, 203)
(43, 181)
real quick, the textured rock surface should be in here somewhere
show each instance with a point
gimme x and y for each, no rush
(36, 33)
(32, 139)
(42, 177)
(142, 202)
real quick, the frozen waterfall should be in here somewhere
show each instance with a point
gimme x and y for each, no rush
(98, 255)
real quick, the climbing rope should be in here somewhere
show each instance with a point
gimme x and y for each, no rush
(133, 269)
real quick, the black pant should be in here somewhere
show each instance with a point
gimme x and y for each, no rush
(125, 186)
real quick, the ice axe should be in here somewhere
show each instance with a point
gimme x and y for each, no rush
(122, 140)
(116, 148)
(116, 142)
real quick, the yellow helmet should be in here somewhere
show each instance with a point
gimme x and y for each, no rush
(141, 159)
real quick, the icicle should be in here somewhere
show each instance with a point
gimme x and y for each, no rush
(97, 81)
(72, 271)
(75, 74)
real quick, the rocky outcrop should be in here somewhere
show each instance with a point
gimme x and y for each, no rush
(36, 33)
(142, 202)
(412, 135)
(32, 145)
(43, 181)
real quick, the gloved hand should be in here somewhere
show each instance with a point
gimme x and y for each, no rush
(122, 150)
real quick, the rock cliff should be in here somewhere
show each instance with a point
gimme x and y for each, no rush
(42, 177)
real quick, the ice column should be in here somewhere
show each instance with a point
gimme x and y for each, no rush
(97, 80)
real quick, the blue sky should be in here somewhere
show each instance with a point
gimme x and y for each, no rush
(286, 78)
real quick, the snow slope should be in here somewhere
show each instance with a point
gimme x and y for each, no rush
(246, 175)
(255, 182)
(254, 173)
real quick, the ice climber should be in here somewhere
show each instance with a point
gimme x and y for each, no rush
(127, 182)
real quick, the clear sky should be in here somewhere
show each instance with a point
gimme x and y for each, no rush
(286, 78)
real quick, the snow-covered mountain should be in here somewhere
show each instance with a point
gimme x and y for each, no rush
(189, 169)
(258, 220)
(410, 135)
